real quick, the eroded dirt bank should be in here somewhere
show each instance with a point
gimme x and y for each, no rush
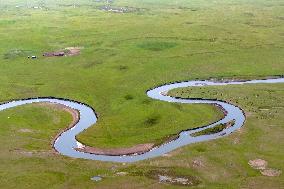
(137, 149)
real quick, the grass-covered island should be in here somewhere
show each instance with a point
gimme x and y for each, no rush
(216, 129)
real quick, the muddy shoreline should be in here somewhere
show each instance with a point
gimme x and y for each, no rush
(137, 149)
(75, 119)
(134, 150)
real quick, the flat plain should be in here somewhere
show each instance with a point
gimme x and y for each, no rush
(123, 54)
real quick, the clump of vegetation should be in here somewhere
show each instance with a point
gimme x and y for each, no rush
(218, 128)
(200, 149)
(122, 67)
(157, 45)
(153, 120)
(128, 97)
(146, 101)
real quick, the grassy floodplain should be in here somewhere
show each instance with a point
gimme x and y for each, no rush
(123, 55)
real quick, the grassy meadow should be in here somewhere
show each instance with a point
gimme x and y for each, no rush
(122, 56)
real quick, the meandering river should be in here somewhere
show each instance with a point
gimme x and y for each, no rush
(66, 143)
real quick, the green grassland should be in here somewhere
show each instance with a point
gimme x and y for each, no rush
(124, 55)
(259, 138)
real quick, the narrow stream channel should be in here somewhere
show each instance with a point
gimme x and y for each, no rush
(66, 143)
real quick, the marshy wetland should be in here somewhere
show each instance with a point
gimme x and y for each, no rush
(124, 55)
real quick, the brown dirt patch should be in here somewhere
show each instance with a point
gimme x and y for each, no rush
(271, 172)
(197, 163)
(121, 173)
(168, 179)
(236, 140)
(73, 50)
(69, 51)
(171, 177)
(261, 165)
(137, 149)
(258, 164)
